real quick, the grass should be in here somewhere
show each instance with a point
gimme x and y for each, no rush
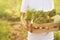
(57, 6)
(4, 30)
(57, 35)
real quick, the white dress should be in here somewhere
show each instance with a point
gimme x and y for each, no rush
(45, 5)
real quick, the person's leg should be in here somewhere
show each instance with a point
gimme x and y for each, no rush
(39, 39)
(44, 36)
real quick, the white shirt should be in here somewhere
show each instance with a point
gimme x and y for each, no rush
(45, 5)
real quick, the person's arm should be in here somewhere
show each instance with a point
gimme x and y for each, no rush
(22, 20)
(23, 10)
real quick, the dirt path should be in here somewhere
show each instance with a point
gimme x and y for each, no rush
(18, 32)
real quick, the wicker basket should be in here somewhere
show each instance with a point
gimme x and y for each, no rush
(45, 27)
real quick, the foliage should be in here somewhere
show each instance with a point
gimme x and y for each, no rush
(10, 8)
(4, 30)
(57, 6)
(57, 35)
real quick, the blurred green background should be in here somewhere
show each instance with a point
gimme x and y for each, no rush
(10, 26)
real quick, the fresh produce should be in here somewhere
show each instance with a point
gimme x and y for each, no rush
(56, 18)
(52, 13)
(39, 16)
(29, 14)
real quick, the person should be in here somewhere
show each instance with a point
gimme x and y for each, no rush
(45, 5)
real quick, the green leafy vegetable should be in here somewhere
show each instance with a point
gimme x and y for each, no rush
(39, 16)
